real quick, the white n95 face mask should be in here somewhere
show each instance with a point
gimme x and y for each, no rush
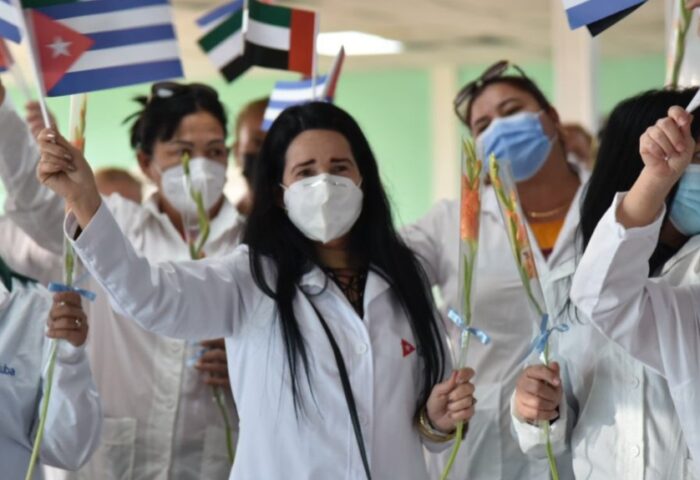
(324, 207)
(208, 177)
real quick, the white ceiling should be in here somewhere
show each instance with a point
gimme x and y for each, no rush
(449, 31)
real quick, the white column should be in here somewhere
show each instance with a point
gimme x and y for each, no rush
(445, 133)
(575, 60)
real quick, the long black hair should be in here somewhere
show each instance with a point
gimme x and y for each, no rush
(619, 163)
(270, 234)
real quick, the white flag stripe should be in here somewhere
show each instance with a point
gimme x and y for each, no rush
(273, 113)
(131, 18)
(8, 12)
(270, 36)
(128, 55)
(227, 50)
(296, 94)
(573, 3)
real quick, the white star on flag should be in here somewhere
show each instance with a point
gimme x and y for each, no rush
(60, 47)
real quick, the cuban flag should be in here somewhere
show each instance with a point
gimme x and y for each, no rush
(10, 21)
(598, 15)
(100, 44)
(6, 59)
(289, 94)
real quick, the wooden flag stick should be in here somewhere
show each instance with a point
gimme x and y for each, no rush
(314, 61)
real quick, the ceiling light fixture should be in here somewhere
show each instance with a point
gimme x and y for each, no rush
(357, 43)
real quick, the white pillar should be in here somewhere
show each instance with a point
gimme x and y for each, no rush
(445, 134)
(575, 60)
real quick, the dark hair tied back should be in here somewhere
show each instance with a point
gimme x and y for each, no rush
(161, 113)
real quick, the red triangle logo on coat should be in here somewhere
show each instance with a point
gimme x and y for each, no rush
(407, 348)
(59, 47)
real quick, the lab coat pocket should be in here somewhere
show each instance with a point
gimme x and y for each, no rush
(215, 462)
(114, 458)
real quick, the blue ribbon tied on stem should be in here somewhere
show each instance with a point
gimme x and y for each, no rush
(540, 342)
(54, 287)
(481, 336)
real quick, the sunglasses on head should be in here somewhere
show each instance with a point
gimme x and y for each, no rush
(465, 95)
(166, 90)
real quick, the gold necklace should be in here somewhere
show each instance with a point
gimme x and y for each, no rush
(548, 213)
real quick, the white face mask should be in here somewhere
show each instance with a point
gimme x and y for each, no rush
(324, 207)
(208, 177)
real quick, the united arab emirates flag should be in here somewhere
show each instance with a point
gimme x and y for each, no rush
(224, 45)
(276, 37)
(280, 37)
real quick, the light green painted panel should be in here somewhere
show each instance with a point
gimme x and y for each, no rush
(392, 106)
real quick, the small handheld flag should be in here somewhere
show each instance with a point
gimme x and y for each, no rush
(100, 44)
(598, 15)
(281, 37)
(288, 94)
(10, 21)
(276, 37)
(224, 43)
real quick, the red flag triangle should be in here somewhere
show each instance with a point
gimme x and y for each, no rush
(59, 47)
(407, 348)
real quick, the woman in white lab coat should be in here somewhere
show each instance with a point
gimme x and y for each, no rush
(323, 285)
(160, 418)
(617, 417)
(510, 116)
(656, 320)
(73, 417)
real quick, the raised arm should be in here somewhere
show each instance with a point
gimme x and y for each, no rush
(654, 322)
(193, 300)
(35, 209)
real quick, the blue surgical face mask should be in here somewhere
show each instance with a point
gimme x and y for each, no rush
(685, 209)
(518, 139)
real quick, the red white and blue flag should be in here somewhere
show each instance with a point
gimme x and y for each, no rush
(10, 21)
(288, 94)
(83, 46)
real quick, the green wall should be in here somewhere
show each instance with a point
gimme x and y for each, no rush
(392, 106)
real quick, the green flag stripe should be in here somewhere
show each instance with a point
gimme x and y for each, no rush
(227, 29)
(274, 15)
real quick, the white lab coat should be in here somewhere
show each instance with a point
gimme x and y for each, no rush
(24, 256)
(160, 419)
(73, 418)
(656, 320)
(617, 417)
(501, 309)
(218, 297)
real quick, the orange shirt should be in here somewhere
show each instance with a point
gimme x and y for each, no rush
(546, 234)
